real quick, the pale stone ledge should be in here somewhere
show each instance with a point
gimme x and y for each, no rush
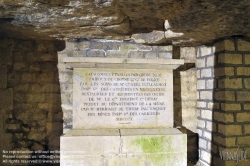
(123, 63)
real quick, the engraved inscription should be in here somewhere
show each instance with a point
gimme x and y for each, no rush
(121, 97)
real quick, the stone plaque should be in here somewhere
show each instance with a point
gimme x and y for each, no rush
(122, 98)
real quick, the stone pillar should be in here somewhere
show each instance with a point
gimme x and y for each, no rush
(205, 85)
(223, 102)
(232, 93)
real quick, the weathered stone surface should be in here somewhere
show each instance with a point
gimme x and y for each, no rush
(6, 99)
(155, 37)
(127, 147)
(102, 102)
(3, 76)
(198, 21)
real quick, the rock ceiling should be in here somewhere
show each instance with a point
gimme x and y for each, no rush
(178, 22)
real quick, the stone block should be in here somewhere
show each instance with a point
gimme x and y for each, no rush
(206, 156)
(45, 46)
(36, 98)
(224, 45)
(243, 45)
(126, 47)
(130, 147)
(204, 50)
(225, 141)
(188, 54)
(163, 48)
(66, 77)
(213, 105)
(136, 54)
(230, 107)
(244, 140)
(165, 55)
(247, 59)
(150, 55)
(244, 162)
(99, 45)
(223, 117)
(49, 67)
(37, 147)
(144, 48)
(242, 117)
(12, 127)
(201, 104)
(200, 132)
(3, 76)
(32, 67)
(201, 84)
(43, 57)
(206, 95)
(207, 114)
(82, 45)
(198, 73)
(52, 106)
(211, 83)
(117, 54)
(45, 87)
(202, 143)
(47, 77)
(231, 83)
(243, 96)
(224, 95)
(37, 128)
(30, 114)
(247, 128)
(246, 106)
(247, 83)
(206, 73)
(207, 135)
(211, 61)
(114, 45)
(96, 53)
(209, 126)
(29, 77)
(230, 58)
(229, 130)
(6, 55)
(200, 62)
(224, 71)
(245, 71)
(55, 116)
(6, 99)
(82, 53)
(36, 135)
(201, 124)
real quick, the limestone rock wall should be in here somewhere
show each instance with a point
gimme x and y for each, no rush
(31, 116)
(187, 22)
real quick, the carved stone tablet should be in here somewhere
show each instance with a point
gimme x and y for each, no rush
(122, 98)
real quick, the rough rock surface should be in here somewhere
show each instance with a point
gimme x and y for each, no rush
(189, 22)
